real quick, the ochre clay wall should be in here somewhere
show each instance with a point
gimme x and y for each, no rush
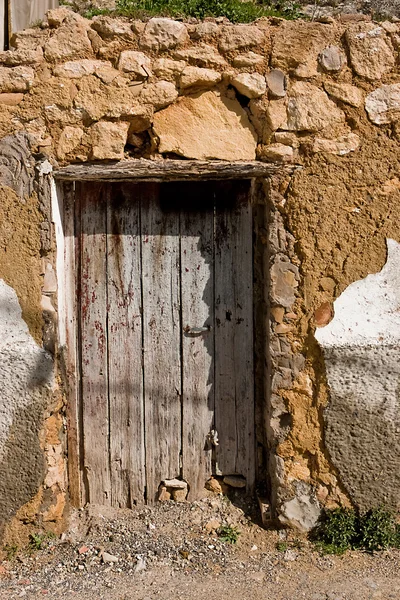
(321, 95)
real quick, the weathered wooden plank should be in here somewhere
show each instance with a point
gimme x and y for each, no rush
(234, 393)
(66, 195)
(94, 368)
(170, 170)
(124, 334)
(197, 269)
(161, 338)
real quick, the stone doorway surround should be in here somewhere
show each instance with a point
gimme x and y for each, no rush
(162, 171)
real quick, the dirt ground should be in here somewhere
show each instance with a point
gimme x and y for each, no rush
(174, 551)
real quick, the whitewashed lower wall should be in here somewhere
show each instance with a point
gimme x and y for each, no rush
(25, 12)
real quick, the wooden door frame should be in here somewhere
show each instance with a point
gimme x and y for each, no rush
(134, 171)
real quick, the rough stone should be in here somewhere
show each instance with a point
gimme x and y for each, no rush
(70, 139)
(159, 94)
(284, 281)
(110, 28)
(276, 81)
(163, 34)
(310, 109)
(250, 59)
(345, 92)
(277, 152)
(287, 138)
(56, 16)
(142, 121)
(108, 140)
(332, 59)
(109, 558)
(267, 116)
(167, 68)
(176, 484)
(69, 41)
(206, 126)
(75, 69)
(163, 494)
(29, 39)
(323, 314)
(236, 37)
(16, 79)
(276, 114)
(204, 30)
(302, 511)
(109, 75)
(212, 526)
(179, 495)
(213, 485)
(13, 58)
(11, 99)
(370, 55)
(340, 146)
(201, 56)
(235, 481)
(383, 104)
(195, 77)
(96, 101)
(135, 62)
(297, 44)
(251, 85)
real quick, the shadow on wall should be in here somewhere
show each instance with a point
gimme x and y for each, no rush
(22, 468)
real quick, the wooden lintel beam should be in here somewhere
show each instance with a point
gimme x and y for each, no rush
(170, 170)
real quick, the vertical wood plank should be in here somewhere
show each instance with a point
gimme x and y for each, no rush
(197, 269)
(161, 334)
(124, 334)
(66, 195)
(234, 381)
(93, 314)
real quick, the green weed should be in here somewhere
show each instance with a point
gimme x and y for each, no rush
(10, 550)
(96, 12)
(37, 541)
(343, 529)
(228, 534)
(236, 11)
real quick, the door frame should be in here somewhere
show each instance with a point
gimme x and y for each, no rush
(161, 171)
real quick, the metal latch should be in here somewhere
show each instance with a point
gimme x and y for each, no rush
(213, 437)
(195, 331)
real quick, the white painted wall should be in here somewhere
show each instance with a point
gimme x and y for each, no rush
(26, 12)
(361, 346)
(368, 311)
(26, 369)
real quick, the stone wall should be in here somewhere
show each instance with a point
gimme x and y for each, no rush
(321, 95)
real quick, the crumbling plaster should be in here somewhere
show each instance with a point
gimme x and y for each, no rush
(324, 96)
(361, 350)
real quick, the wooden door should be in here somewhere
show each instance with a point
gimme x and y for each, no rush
(164, 288)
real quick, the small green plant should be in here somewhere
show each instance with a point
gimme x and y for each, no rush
(36, 24)
(282, 546)
(38, 540)
(336, 530)
(228, 534)
(236, 11)
(378, 530)
(95, 12)
(10, 550)
(342, 529)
